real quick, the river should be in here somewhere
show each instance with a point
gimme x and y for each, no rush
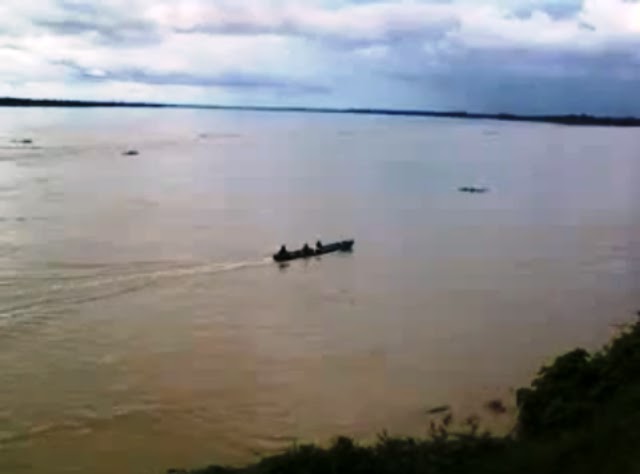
(143, 326)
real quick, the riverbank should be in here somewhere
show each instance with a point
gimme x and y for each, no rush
(559, 119)
(581, 414)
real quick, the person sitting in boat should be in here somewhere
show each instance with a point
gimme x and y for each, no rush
(306, 250)
(283, 252)
(318, 245)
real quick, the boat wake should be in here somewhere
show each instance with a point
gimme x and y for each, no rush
(58, 287)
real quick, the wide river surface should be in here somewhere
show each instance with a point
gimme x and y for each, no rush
(143, 327)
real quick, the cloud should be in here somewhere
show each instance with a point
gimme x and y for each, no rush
(122, 33)
(358, 24)
(556, 9)
(494, 55)
(100, 23)
(228, 80)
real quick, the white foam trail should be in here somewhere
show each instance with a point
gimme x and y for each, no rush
(30, 293)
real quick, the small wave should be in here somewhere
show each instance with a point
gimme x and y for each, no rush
(20, 147)
(214, 135)
(64, 285)
(82, 422)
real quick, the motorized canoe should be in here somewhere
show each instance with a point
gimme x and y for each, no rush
(343, 246)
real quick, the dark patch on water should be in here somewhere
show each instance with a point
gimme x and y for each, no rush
(440, 409)
(496, 407)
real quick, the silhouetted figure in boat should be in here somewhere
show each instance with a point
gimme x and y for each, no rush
(306, 250)
(318, 245)
(283, 252)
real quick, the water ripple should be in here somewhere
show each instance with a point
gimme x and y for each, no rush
(64, 285)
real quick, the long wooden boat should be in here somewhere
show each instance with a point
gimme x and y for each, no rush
(343, 246)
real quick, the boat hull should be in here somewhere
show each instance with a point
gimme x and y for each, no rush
(344, 246)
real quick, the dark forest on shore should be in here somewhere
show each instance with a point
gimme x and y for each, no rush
(571, 119)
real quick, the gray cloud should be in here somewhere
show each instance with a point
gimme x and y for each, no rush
(117, 33)
(105, 25)
(557, 9)
(228, 80)
(78, 7)
(391, 36)
(493, 93)
(531, 81)
(369, 22)
(239, 27)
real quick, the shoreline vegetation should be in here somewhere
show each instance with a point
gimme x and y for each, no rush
(581, 414)
(567, 119)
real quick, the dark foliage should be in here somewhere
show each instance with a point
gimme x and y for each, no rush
(570, 392)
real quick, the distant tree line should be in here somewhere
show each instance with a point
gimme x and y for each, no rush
(572, 119)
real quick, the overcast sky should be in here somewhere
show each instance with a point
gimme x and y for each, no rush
(531, 56)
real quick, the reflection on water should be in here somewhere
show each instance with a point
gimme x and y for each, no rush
(143, 326)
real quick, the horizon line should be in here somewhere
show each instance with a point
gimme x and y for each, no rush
(563, 119)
